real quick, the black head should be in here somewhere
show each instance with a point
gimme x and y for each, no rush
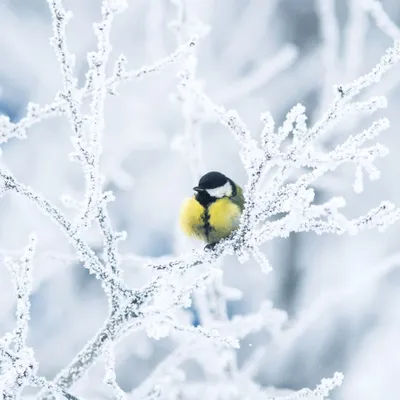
(211, 180)
(213, 186)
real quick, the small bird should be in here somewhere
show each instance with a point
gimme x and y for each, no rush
(213, 213)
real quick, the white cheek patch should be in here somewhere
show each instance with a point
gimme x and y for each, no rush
(221, 191)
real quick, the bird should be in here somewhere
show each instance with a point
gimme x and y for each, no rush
(214, 211)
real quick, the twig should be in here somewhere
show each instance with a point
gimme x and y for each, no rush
(58, 107)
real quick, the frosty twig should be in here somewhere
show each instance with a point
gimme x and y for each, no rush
(282, 164)
(382, 19)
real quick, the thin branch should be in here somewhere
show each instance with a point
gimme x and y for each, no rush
(86, 254)
(58, 107)
(382, 19)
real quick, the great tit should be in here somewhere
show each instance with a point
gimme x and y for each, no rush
(213, 213)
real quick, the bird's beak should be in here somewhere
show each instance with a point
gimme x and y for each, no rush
(198, 189)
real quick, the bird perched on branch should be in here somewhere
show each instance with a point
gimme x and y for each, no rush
(213, 213)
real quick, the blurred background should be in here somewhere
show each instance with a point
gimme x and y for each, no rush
(341, 293)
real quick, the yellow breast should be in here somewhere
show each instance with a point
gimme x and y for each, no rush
(211, 224)
(192, 218)
(224, 217)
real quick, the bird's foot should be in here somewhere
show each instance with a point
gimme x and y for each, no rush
(210, 246)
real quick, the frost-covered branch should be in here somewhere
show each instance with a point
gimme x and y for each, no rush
(162, 377)
(89, 152)
(282, 164)
(110, 377)
(18, 365)
(320, 392)
(17, 362)
(86, 254)
(210, 303)
(260, 160)
(37, 114)
(382, 19)
(95, 204)
(22, 279)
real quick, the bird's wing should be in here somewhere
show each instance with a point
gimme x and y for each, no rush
(239, 198)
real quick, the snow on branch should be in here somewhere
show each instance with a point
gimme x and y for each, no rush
(382, 19)
(282, 165)
(267, 194)
(58, 107)
(88, 147)
(85, 253)
(22, 280)
(162, 377)
(320, 392)
(17, 362)
(274, 196)
(18, 366)
(110, 377)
